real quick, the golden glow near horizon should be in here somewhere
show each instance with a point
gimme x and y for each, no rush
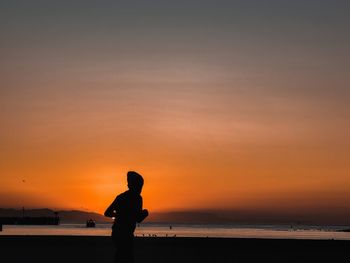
(230, 115)
(195, 150)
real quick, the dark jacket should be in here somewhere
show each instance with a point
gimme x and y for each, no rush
(127, 210)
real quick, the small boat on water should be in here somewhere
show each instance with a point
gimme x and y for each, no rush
(90, 223)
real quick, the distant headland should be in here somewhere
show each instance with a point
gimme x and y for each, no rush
(188, 217)
(66, 216)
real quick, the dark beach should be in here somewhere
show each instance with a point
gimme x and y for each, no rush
(100, 249)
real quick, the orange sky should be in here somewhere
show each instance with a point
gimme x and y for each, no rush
(191, 156)
(222, 109)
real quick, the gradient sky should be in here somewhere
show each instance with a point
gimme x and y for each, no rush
(219, 104)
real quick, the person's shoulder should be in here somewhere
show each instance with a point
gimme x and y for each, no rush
(122, 195)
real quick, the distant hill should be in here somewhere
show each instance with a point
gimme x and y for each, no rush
(77, 216)
(69, 216)
(191, 217)
(251, 217)
(194, 217)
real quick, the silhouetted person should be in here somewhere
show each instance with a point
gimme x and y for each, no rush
(127, 211)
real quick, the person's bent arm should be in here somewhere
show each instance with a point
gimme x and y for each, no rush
(143, 213)
(111, 210)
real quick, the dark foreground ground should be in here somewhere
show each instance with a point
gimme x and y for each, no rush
(66, 249)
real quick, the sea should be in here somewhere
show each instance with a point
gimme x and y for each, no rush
(189, 230)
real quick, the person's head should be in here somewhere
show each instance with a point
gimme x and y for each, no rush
(135, 182)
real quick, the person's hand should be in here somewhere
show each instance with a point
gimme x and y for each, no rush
(142, 216)
(144, 213)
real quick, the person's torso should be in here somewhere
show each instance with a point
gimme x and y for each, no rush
(128, 210)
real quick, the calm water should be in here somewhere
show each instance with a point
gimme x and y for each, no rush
(161, 230)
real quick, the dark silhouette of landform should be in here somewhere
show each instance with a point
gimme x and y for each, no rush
(127, 211)
(66, 216)
(194, 217)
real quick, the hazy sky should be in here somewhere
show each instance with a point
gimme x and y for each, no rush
(219, 104)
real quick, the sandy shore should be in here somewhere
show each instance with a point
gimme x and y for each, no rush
(100, 249)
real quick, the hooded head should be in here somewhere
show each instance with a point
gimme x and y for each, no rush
(135, 182)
